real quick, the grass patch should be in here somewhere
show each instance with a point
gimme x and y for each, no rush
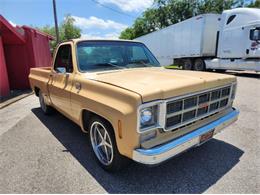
(173, 66)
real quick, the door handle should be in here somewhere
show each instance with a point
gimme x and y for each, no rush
(78, 86)
(51, 79)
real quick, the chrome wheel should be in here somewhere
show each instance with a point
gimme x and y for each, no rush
(101, 143)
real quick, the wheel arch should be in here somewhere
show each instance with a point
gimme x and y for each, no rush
(126, 138)
(87, 114)
(37, 91)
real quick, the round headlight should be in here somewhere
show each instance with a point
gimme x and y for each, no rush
(146, 115)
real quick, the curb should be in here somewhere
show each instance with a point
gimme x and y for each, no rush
(13, 100)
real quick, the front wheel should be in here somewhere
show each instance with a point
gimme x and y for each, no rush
(45, 108)
(104, 146)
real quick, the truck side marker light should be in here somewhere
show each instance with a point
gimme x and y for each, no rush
(120, 129)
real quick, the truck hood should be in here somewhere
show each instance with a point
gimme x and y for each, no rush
(160, 83)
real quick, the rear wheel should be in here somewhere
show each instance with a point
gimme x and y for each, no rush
(104, 146)
(199, 65)
(187, 65)
(45, 108)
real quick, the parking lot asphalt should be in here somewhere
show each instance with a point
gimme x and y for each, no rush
(50, 154)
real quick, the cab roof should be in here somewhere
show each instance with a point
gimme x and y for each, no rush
(118, 40)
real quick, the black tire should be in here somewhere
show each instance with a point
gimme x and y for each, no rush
(118, 161)
(45, 108)
(220, 70)
(187, 65)
(199, 65)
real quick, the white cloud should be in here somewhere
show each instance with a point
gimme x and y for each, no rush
(90, 36)
(112, 36)
(94, 36)
(94, 22)
(12, 23)
(129, 5)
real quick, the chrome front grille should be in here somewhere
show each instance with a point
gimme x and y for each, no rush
(185, 110)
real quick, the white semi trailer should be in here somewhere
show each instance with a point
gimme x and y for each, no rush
(230, 40)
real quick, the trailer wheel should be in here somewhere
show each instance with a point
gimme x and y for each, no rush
(220, 70)
(199, 65)
(187, 65)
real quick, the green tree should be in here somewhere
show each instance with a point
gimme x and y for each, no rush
(217, 6)
(67, 31)
(167, 12)
(127, 34)
(142, 25)
(254, 4)
(51, 31)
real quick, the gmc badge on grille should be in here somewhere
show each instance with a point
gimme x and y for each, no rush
(203, 105)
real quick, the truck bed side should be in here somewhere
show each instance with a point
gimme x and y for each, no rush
(39, 78)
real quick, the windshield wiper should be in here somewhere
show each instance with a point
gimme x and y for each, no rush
(140, 62)
(109, 64)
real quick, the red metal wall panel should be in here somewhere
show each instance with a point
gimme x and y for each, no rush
(17, 62)
(21, 48)
(41, 49)
(4, 84)
(20, 58)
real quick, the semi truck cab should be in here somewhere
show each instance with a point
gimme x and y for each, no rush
(239, 34)
(238, 45)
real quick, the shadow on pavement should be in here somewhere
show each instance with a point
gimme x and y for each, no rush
(244, 74)
(192, 172)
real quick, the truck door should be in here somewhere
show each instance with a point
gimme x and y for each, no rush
(234, 36)
(61, 78)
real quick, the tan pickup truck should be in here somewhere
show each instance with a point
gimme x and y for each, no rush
(131, 107)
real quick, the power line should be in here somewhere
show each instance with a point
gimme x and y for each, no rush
(112, 9)
(152, 6)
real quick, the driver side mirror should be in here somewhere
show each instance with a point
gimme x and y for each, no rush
(255, 34)
(61, 70)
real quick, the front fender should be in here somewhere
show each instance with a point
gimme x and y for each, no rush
(113, 104)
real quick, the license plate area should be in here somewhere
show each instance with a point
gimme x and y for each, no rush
(207, 136)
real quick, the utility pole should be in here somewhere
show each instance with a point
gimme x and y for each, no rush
(223, 5)
(56, 22)
(193, 5)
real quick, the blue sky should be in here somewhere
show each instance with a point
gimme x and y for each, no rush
(95, 20)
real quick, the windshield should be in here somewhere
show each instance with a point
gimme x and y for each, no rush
(108, 55)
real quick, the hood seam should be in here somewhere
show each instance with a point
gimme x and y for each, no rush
(118, 87)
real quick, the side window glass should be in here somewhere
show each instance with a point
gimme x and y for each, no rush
(138, 54)
(64, 59)
(230, 19)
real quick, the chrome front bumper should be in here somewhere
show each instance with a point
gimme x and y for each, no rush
(161, 153)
